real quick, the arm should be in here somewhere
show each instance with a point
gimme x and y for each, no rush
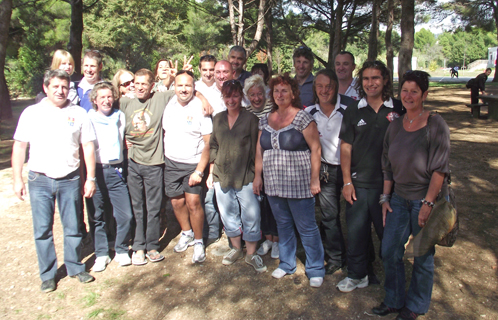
(194, 177)
(348, 190)
(386, 206)
(18, 158)
(213, 152)
(257, 184)
(435, 185)
(312, 138)
(207, 109)
(89, 154)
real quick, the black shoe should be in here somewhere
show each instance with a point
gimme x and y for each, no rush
(372, 279)
(331, 268)
(406, 314)
(84, 277)
(383, 310)
(48, 285)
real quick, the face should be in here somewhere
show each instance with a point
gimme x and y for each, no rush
(207, 72)
(373, 83)
(222, 72)
(127, 83)
(104, 101)
(237, 60)
(233, 102)
(303, 67)
(142, 87)
(184, 88)
(488, 72)
(324, 88)
(57, 91)
(162, 70)
(282, 94)
(344, 66)
(256, 96)
(67, 66)
(91, 70)
(412, 96)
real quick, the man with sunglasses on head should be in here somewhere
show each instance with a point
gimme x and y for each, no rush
(92, 65)
(303, 64)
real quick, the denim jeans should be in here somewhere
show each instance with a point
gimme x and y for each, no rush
(299, 213)
(239, 212)
(145, 184)
(212, 223)
(400, 223)
(333, 242)
(112, 189)
(43, 192)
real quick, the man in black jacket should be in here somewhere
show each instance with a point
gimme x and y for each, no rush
(476, 84)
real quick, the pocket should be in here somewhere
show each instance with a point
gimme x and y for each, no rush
(32, 176)
(75, 178)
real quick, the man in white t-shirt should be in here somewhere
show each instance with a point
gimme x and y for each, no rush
(186, 149)
(54, 129)
(344, 67)
(206, 68)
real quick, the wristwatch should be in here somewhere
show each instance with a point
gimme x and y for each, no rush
(91, 179)
(199, 173)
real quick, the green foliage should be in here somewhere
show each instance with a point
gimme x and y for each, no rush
(464, 47)
(423, 38)
(90, 299)
(433, 66)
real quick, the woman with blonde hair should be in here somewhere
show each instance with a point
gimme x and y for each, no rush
(124, 82)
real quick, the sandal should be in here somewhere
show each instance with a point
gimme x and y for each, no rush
(154, 256)
(138, 259)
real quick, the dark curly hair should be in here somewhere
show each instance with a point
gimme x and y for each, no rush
(286, 80)
(386, 75)
(421, 78)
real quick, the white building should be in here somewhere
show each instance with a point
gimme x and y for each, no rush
(492, 57)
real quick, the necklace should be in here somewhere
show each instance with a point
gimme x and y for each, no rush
(411, 121)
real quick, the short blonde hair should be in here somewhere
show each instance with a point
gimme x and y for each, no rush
(95, 91)
(115, 79)
(59, 55)
(255, 80)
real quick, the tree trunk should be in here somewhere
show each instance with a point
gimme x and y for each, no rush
(269, 38)
(495, 15)
(348, 27)
(389, 31)
(75, 45)
(233, 30)
(259, 27)
(338, 34)
(240, 26)
(407, 35)
(5, 14)
(374, 31)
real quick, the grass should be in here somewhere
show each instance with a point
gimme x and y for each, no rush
(90, 299)
(109, 314)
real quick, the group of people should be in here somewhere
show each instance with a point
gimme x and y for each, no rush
(245, 151)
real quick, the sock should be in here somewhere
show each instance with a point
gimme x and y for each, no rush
(188, 233)
(199, 241)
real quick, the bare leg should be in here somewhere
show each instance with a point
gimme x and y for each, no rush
(196, 213)
(181, 212)
(251, 246)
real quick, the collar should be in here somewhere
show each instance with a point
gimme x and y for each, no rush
(85, 85)
(363, 103)
(337, 106)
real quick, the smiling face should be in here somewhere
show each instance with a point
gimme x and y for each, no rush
(162, 70)
(373, 83)
(184, 88)
(126, 83)
(344, 67)
(412, 96)
(256, 96)
(91, 70)
(237, 60)
(303, 67)
(104, 101)
(282, 94)
(57, 92)
(233, 102)
(207, 72)
(325, 89)
(143, 87)
(66, 65)
(222, 72)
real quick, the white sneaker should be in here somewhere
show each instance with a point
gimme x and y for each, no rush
(347, 284)
(184, 243)
(123, 259)
(275, 252)
(265, 247)
(278, 273)
(101, 263)
(316, 282)
(199, 253)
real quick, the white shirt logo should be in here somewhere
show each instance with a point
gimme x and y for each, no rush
(361, 123)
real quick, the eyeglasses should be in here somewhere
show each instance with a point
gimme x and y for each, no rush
(127, 83)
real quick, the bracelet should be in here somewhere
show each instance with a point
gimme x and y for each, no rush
(430, 204)
(200, 174)
(384, 198)
(347, 184)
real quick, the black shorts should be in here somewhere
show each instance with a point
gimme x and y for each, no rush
(176, 176)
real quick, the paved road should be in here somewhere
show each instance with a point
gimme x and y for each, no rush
(451, 80)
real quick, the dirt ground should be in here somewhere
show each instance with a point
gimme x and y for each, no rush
(465, 283)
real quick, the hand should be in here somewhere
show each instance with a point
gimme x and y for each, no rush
(423, 215)
(349, 193)
(128, 144)
(89, 189)
(257, 185)
(194, 179)
(315, 186)
(386, 206)
(20, 190)
(186, 63)
(209, 181)
(173, 69)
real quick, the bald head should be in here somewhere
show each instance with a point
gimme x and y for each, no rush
(222, 72)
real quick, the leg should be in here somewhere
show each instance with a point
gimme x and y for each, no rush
(303, 213)
(250, 216)
(97, 220)
(196, 213)
(285, 224)
(212, 225)
(136, 188)
(396, 233)
(42, 208)
(153, 183)
(230, 212)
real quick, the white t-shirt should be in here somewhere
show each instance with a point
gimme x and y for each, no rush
(54, 136)
(184, 127)
(351, 92)
(202, 87)
(215, 99)
(109, 132)
(329, 129)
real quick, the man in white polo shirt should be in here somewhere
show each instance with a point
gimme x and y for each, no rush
(54, 129)
(186, 148)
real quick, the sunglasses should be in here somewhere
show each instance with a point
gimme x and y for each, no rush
(127, 83)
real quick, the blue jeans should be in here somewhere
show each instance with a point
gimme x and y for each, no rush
(112, 189)
(212, 223)
(400, 223)
(301, 214)
(43, 191)
(239, 212)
